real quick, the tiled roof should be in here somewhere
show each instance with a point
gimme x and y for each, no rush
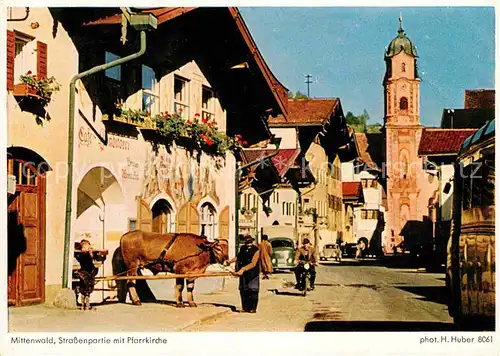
(282, 161)
(371, 148)
(479, 99)
(306, 112)
(351, 190)
(442, 141)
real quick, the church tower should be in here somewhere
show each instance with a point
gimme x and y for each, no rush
(402, 137)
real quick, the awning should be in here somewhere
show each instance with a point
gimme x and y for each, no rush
(267, 172)
(299, 174)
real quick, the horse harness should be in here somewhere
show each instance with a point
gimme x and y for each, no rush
(162, 265)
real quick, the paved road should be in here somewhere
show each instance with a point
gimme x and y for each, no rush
(349, 297)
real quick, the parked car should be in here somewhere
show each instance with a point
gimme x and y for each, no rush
(330, 251)
(283, 253)
(350, 250)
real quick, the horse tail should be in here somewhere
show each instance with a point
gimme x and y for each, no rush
(119, 267)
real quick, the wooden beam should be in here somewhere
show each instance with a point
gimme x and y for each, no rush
(164, 276)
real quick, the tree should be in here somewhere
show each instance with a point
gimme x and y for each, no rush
(299, 95)
(375, 128)
(358, 123)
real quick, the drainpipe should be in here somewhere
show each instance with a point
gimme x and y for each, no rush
(71, 126)
(237, 190)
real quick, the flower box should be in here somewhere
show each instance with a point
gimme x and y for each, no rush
(23, 89)
(147, 123)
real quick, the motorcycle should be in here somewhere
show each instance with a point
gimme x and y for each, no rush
(305, 277)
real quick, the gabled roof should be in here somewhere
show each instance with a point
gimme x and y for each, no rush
(442, 141)
(165, 14)
(352, 191)
(306, 112)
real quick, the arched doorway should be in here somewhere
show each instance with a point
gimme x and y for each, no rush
(26, 228)
(101, 218)
(208, 220)
(163, 217)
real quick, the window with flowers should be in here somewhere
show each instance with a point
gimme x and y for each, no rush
(196, 134)
(24, 59)
(207, 103)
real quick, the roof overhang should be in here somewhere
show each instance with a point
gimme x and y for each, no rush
(164, 15)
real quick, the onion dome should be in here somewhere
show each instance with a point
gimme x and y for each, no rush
(401, 43)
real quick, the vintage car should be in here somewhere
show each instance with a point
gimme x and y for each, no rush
(330, 251)
(283, 253)
(349, 250)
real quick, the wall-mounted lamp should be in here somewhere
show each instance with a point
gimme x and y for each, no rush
(34, 25)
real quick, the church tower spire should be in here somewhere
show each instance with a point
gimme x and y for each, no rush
(402, 136)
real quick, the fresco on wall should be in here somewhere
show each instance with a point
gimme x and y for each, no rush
(179, 175)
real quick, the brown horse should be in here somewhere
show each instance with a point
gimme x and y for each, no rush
(180, 253)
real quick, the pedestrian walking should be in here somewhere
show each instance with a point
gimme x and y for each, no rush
(266, 251)
(247, 268)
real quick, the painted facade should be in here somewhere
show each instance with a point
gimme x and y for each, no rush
(125, 178)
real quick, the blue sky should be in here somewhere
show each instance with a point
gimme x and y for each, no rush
(343, 49)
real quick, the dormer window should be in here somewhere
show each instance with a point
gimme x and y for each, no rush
(403, 104)
(403, 67)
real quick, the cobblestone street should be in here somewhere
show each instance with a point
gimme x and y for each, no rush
(348, 297)
(351, 297)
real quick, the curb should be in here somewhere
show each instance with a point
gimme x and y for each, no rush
(222, 312)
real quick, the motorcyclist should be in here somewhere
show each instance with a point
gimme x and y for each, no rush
(305, 254)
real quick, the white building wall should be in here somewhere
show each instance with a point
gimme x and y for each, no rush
(348, 172)
(288, 137)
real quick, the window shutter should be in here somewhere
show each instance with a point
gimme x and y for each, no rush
(188, 219)
(182, 219)
(41, 60)
(224, 223)
(194, 220)
(11, 53)
(144, 216)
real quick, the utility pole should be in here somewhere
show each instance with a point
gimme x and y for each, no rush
(308, 81)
